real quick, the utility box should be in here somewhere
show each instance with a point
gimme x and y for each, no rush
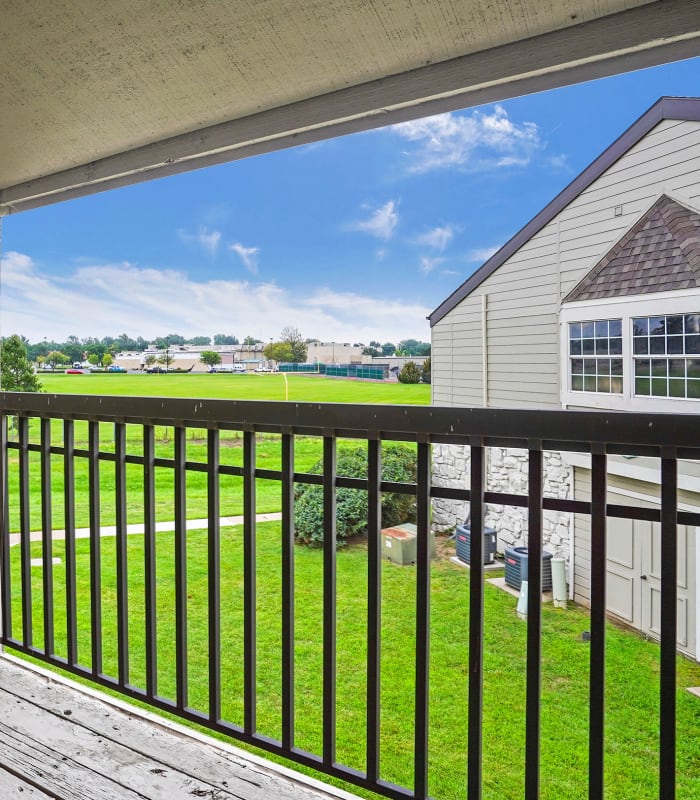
(516, 561)
(463, 543)
(400, 544)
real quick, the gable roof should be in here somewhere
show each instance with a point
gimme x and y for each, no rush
(660, 252)
(678, 108)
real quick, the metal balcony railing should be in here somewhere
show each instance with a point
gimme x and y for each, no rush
(41, 460)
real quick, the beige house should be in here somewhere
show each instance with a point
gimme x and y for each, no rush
(594, 304)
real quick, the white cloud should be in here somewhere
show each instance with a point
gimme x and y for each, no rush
(102, 300)
(481, 253)
(208, 240)
(438, 238)
(480, 140)
(380, 223)
(427, 264)
(249, 256)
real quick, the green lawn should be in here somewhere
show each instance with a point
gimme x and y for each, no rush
(302, 388)
(251, 387)
(632, 704)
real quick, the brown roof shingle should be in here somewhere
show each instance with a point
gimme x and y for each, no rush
(659, 253)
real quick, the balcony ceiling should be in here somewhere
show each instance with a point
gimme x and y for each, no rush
(95, 95)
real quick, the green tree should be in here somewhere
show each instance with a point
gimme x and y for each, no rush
(199, 341)
(56, 358)
(371, 351)
(281, 352)
(107, 360)
(298, 346)
(93, 359)
(410, 373)
(249, 340)
(16, 373)
(225, 338)
(166, 359)
(210, 358)
(150, 360)
(388, 349)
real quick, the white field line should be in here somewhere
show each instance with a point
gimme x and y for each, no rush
(161, 527)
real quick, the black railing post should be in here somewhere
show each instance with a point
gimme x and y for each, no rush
(24, 531)
(120, 496)
(596, 724)
(669, 623)
(287, 590)
(180, 501)
(534, 621)
(374, 604)
(477, 467)
(69, 522)
(214, 575)
(249, 588)
(329, 599)
(95, 548)
(423, 554)
(149, 555)
(47, 536)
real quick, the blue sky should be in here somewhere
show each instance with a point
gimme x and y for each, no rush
(352, 239)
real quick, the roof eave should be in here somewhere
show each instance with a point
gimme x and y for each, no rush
(680, 108)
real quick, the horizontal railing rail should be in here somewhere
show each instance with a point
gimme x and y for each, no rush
(105, 449)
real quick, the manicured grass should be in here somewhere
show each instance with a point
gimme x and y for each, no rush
(302, 388)
(632, 667)
(252, 387)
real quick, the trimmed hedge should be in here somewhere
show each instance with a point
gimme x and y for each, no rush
(398, 464)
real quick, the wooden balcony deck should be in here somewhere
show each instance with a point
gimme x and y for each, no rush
(60, 741)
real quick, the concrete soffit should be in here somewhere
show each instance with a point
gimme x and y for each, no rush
(642, 36)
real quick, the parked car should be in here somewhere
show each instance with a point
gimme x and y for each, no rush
(262, 369)
(74, 371)
(157, 369)
(115, 368)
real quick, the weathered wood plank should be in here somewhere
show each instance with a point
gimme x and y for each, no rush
(126, 742)
(12, 788)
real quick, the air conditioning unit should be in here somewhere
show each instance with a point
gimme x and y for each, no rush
(516, 561)
(463, 539)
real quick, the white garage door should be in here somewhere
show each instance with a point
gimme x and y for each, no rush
(634, 578)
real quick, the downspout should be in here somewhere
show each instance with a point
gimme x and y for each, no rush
(484, 352)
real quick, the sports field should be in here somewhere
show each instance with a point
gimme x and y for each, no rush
(303, 388)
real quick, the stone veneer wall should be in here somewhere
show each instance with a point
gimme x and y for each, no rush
(506, 472)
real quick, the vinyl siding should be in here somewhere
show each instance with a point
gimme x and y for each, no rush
(524, 294)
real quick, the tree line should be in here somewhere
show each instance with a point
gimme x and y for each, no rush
(291, 346)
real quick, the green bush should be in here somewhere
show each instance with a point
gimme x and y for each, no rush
(398, 464)
(425, 371)
(410, 373)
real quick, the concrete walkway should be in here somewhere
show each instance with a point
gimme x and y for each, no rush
(161, 527)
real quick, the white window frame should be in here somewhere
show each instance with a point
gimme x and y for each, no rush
(624, 308)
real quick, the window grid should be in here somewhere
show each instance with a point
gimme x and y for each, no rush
(595, 356)
(666, 350)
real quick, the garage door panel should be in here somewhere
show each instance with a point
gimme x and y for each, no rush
(652, 623)
(621, 543)
(620, 593)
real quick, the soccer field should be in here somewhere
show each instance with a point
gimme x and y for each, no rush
(300, 388)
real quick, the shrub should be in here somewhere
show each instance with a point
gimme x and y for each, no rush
(398, 464)
(425, 371)
(410, 373)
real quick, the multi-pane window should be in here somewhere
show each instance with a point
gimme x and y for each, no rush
(666, 351)
(595, 356)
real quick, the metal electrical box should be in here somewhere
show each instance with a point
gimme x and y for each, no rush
(400, 544)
